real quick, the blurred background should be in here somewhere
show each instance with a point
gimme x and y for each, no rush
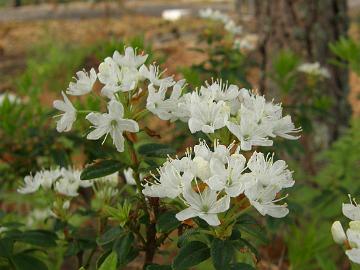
(303, 53)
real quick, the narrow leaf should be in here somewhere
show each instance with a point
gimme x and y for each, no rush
(110, 262)
(190, 255)
(101, 169)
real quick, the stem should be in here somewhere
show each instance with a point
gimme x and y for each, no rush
(88, 261)
(150, 243)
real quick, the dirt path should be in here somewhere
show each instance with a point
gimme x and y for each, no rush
(84, 10)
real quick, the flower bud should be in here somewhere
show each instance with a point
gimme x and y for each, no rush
(338, 233)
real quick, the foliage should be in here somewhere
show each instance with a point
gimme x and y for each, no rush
(347, 50)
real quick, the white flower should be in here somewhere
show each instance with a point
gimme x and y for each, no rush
(153, 74)
(284, 126)
(353, 235)
(314, 69)
(218, 90)
(351, 210)
(166, 108)
(248, 132)
(206, 115)
(215, 15)
(38, 216)
(230, 177)
(175, 175)
(32, 184)
(267, 172)
(112, 123)
(338, 233)
(84, 83)
(48, 177)
(264, 199)
(68, 117)
(130, 59)
(129, 176)
(257, 120)
(220, 151)
(10, 97)
(204, 205)
(232, 28)
(70, 182)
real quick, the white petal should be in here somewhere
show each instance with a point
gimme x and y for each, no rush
(354, 255)
(211, 219)
(351, 211)
(221, 205)
(186, 214)
(128, 125)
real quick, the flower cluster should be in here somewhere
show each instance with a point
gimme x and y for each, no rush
(248, 116)
(351, 240)
(314, 69)
(243, 41)
(63, 181)
(207, 181)
(216, 15)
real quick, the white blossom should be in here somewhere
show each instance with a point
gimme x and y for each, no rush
(10, 97)
(130, 59)
(68, 117)
(228, 177)
(129, 176)
(111, 123)
(153, 74)
(166, 108)
(257, 121)
(263, 198)
(63, 181)
(84, 83)
(174, 176)
(267, 172)
(352, 238)
(207, 115)
(314, 69)
(204, 205)
(31, 184)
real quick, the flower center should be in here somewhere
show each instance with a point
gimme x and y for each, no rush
(113, 123)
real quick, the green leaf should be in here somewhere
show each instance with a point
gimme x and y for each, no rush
(167, 222)
(40, 238)
(110, 262)
(241, 243)
(124, 249)
(222, 253)
(248, 224)
(109, 236)
(158, 267)
(100, 169)
(23, 261)
(241, 266)
(191, 254)
(6, 247)
(156, 150)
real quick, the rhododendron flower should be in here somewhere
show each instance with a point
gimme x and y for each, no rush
(84, 83)
(68, 117)
(204, 205)
(111, 123)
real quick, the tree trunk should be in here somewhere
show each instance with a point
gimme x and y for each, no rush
(17, 3)
(307, 27)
